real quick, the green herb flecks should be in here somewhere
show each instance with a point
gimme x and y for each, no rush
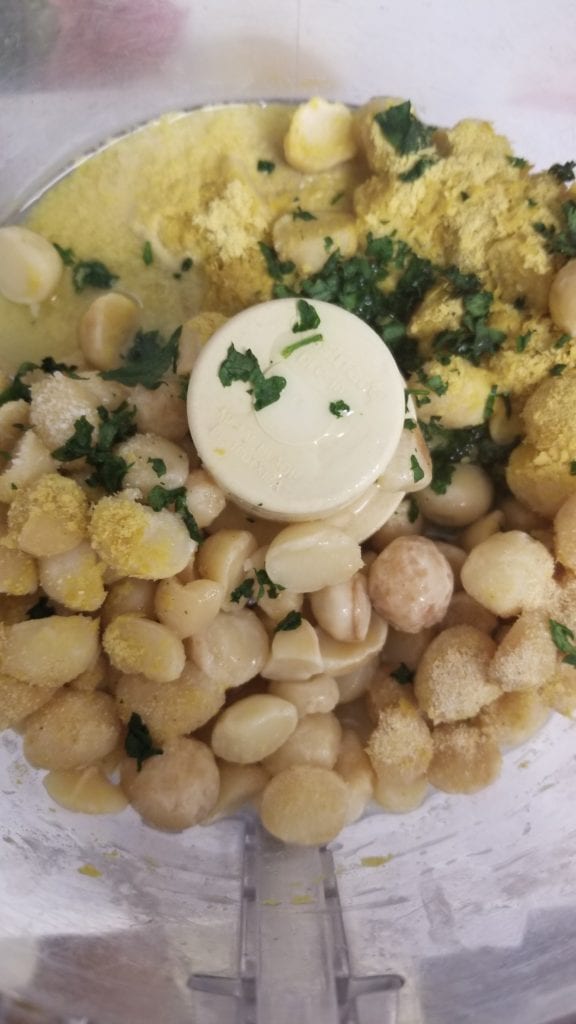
(563, 172)
(309, 318)
(147, 253)
(161, 497)
(417, 471)
(522, 340)
(404, 132)
(403, 674)
(289, 622)
(92, 274)
(490, 402)
(186, 265)
(518, 161)
(68, 256)
(148, 360)
(159, 466)
(312, 339)
(17, 389)
(519, 303)
(265, 166)
(563, 241)
(562, 340)
(328, 243)
(470, 444)
(355, 284)
(276, 267)
(300, 214)
(573, 468)
(474, 339)
(464, 196)
(336, 199)
(564, 640)
(41, 610)
(558, 369)
(266, 588)
(418, 169)
(138, 743)
(244, 366)
(339, 408)
(410, 424)
(114, 427)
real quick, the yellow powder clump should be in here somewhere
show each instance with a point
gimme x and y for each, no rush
(401, 743)
(234, 221)
(49, 517)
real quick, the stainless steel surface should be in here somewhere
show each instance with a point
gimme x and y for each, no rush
(469, 916)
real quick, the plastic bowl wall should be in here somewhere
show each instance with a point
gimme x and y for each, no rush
(465, 911)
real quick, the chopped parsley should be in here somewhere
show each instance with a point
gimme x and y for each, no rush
(158, 465)
(328, 243)
(355, 284)
(418, 169)
(41, 610)
(266, 588)
(187, 264)
(244, 366)
(276, 267)
(421, 395)
(109, 468)
(244, 590)
(564, 640)
(490, 402)
(289, 622)
(563, 172)
(405, 133)
(564, 241)
(448, 447)
(309, 318)
(403, 674)
(67, 256)
(462, 284)
(162, 497)
(531, 202)
(558, 369)
(517, 161)
(417, 471)
(474, 338)
(17, 389)
(147, 254)
(312, 339)
(522, 340)
(464, 196)
(336, 199)
(92, 274)
(138, 743)
(265, 166)
(562, 340)
(300, 214)
(413, 510)
(409, 424)
(49, 365)
(434, 383)
(573, 468)
(339, 408)
(147, 361)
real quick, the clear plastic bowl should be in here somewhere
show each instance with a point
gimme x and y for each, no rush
(464, 911)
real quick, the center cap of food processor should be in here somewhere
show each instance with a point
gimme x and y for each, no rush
(295, 408)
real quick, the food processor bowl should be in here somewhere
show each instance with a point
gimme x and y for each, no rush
(463, 912)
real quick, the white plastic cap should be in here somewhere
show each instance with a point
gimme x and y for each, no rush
(296, 459)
